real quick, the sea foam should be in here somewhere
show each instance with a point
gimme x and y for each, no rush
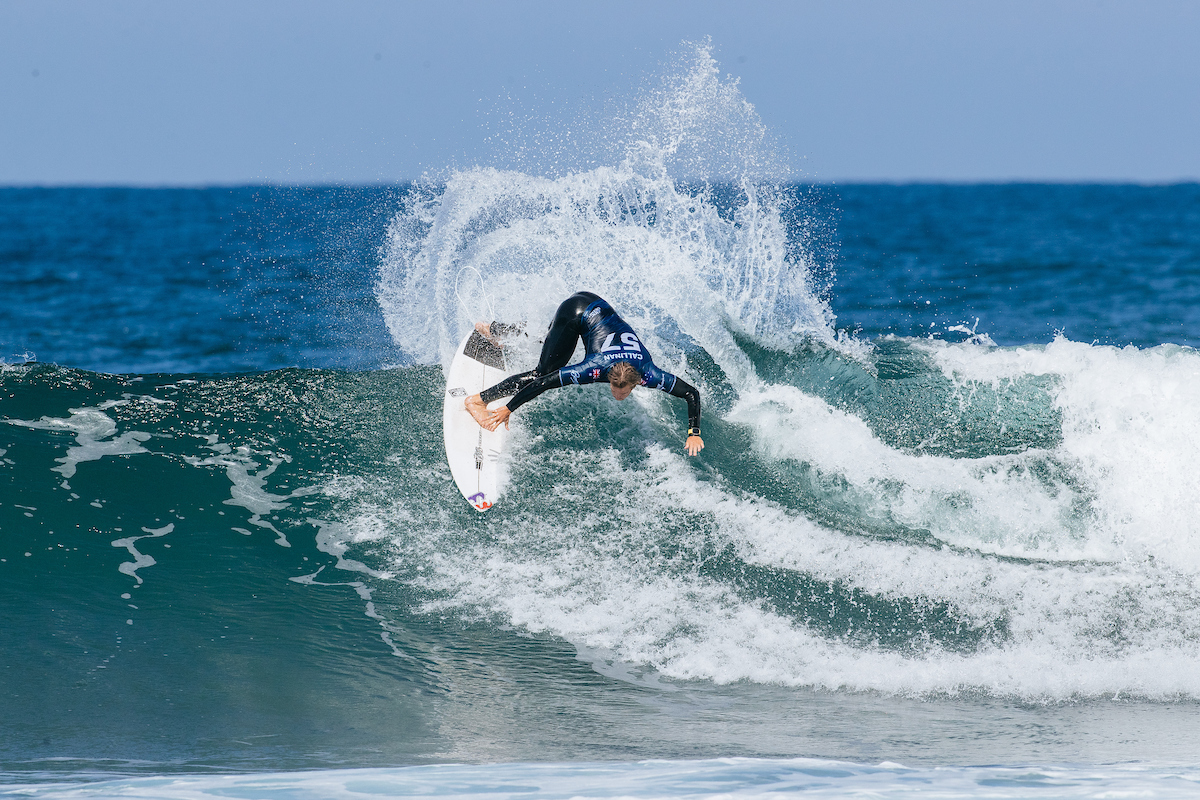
(836, 549)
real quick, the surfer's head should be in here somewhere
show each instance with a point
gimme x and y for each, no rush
(622, 378)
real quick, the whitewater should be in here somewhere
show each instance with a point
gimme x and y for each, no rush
(1028, 530)
(909, 559)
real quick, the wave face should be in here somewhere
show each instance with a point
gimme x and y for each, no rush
(907, 547)
(277, 568)
(1025, 490)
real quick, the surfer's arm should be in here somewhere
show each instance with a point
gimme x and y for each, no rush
(531, 387)
(497, 418)
(685, 390)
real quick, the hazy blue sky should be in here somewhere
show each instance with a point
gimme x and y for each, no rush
(134, 92)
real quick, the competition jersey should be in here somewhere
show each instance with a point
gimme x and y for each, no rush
(608, 339)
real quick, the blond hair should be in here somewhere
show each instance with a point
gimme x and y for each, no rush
(624, 374)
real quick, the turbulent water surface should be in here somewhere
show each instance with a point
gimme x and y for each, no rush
(946, 514)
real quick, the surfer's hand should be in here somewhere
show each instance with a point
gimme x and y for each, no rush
(693, 445)
(501, 414)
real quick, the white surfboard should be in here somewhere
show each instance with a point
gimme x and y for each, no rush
(473, 453)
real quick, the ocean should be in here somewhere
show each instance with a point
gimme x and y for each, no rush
(942, 539)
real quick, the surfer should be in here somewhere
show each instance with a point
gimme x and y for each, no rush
(614, 355)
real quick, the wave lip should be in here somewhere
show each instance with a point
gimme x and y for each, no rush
(684, 261)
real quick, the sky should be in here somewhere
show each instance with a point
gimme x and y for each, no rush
(133, 92)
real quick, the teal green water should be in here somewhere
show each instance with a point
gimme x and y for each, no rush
(275, 571)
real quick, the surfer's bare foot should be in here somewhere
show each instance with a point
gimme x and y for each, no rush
(477, 409)
(485, 330)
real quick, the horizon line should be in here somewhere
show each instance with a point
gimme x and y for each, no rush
(407, 182)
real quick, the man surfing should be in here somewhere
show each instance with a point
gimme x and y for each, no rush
(614, 355)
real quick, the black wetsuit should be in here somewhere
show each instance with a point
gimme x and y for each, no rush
(607, 339)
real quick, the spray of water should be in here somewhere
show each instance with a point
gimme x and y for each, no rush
(1062, 567)
(687, 262)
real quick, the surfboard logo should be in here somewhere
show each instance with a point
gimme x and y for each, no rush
(457, 391)
(480, 501)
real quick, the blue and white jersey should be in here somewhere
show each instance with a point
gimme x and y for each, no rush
(608, 339)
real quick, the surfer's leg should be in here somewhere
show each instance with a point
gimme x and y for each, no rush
(508, 387)
(477, 404)
(564, 333)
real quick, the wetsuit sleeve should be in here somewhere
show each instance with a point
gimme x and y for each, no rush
(533, 389)
(689, 393)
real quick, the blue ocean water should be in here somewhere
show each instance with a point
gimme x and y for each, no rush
(182, 280)
(943, 537)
